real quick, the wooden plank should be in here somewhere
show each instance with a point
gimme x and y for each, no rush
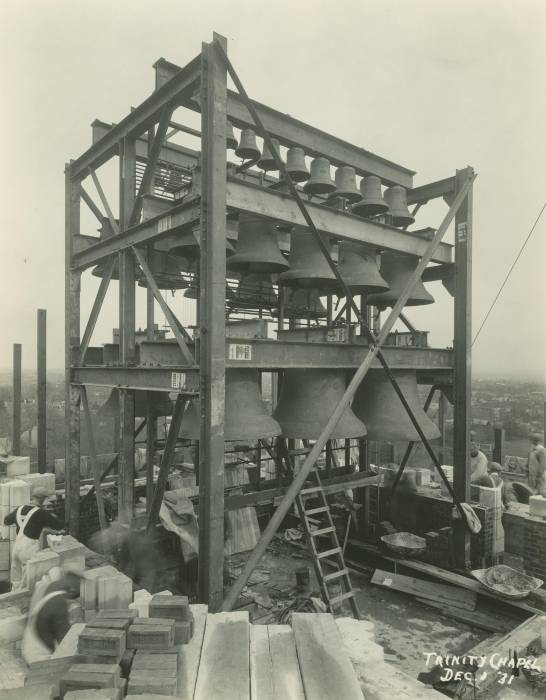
(190, 654)
(475, 618)
(419, 588)
(261, 665)
(224, 670)
(286, 671)
(325, 667)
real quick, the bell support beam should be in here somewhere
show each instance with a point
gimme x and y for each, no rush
(181, 85)
(166, 461)
(93, 456)
(292, 132)
(175, 325)
(433, 190)
(299, 480)
(463, 363)
(72, 343)
(212, 325)
(95, 309)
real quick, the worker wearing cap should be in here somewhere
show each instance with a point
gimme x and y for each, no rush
(30, 520)
(49, 618)
(537, 465)
(478, 463)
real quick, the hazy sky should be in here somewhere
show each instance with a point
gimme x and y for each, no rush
(431, 85)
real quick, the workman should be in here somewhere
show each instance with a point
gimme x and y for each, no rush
(30, 520)
(478, 463)
(48, 618)
(537, 465)
(507, 492)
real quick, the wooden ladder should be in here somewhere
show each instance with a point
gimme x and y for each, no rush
(323, 543)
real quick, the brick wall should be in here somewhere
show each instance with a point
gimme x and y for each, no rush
(534, 547)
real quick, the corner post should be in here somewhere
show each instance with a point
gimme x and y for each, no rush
(127, 185)
(462, 366)
(212, 325)
(72, 349)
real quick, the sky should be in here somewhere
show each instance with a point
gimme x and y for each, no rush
(431, 85)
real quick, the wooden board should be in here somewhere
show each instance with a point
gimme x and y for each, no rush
(475, 618)
(224, 670)
(244, 531)
(437, 592)
(325, 667)
(261, 665)
(286, 671)
(191, 654)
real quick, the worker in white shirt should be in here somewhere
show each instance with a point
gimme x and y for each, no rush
(478, 463)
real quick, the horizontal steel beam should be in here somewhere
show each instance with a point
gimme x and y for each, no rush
(424, 193)
(276, 354)
(146, 232)
(171, 153)
(293, 132)
(282, 207)
(140, 378)
(181, 85)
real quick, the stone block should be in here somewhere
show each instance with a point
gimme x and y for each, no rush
(159, 637)
(183, 632)
(112, 623)
(102, 642)
(422, 477)
(537, 506)
(40, 564)
(140, 684)
(44, 481)
(174, 607)
(114, 592)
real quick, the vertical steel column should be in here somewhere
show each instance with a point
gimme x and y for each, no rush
(442, 415)
(212, 326)
(41, 328)
(126, 482)
(72, 348)
(16, 415)
(498, 444)
(462, 366)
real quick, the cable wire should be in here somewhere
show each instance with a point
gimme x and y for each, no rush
(509, 273)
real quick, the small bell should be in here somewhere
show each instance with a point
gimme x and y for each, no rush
(231, 140)
(346, 184)
(267, 161)
(396, 270)
(372, 202)
(398, 206)
(295, 164)
(320, 181)
(247, 148)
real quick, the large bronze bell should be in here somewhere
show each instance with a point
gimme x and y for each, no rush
(358, 267)
(303, 303)
(161, 404)
(295, 164)
(246, 416)
(254, 291)
(247, 148)
(396, 270)
(105, 231)
(308, 266)
(320, 181)
(308, 398)
(396, 198)
(372, 202)
(187, 243)
(377, 404)
(346, 184)
(267, 161)
(231, 140)
(257, 247)
(166, 271)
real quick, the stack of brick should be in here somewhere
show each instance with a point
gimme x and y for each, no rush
(534, 546)
(157, 640)
(440, 546)
(104, 588)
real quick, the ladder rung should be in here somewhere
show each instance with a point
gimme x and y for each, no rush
(300, 451)
(328, 552)
(322, 531)
(311, 489)
(336, 574)
(339, 598)
(312, 511)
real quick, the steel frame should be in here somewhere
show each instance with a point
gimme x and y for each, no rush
(141, 136)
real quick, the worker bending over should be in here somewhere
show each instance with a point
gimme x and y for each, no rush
(48, 618)
(30, 520)
(478, 463)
